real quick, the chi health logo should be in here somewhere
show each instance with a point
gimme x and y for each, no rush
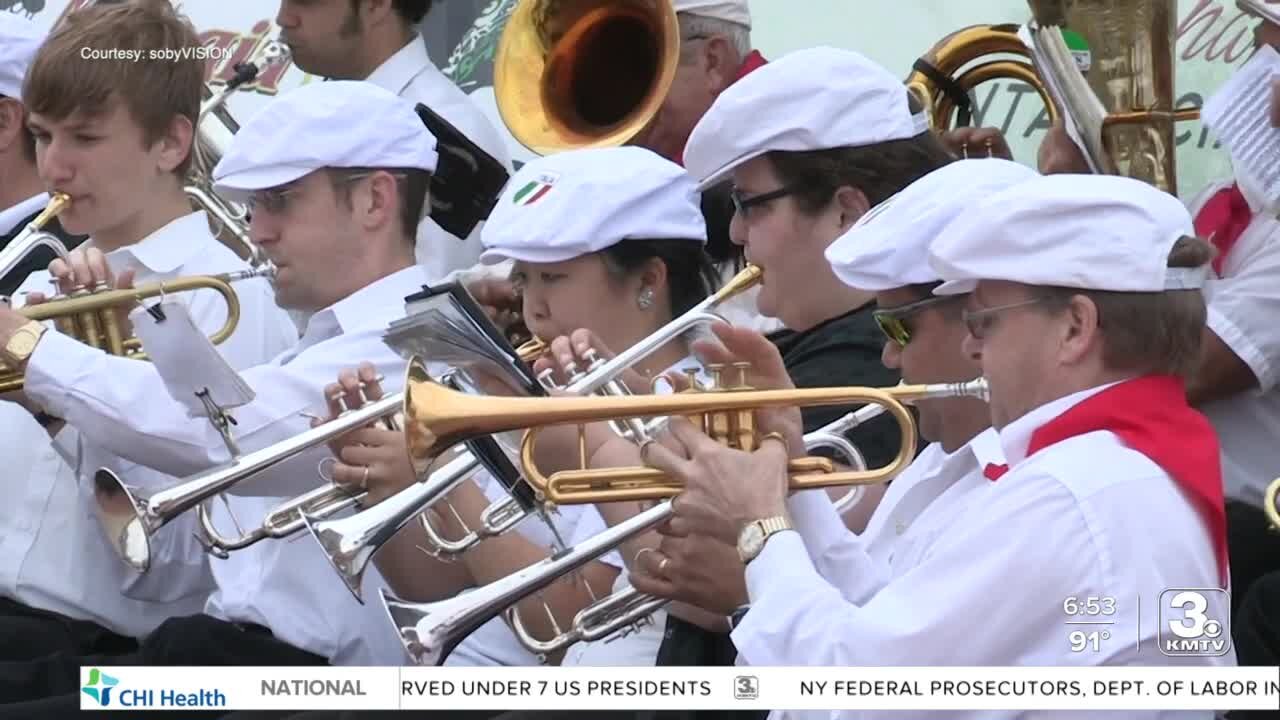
(99, 687)
(535, 190)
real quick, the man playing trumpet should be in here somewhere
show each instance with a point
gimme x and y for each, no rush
(116, 137)
(1083, 345)
(337, 216)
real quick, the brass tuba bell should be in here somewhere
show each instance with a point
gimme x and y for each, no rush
(584, 73)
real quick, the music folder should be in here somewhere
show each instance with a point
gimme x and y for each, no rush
(449, 330)
(467, 180)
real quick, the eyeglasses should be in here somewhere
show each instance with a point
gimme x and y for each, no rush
(979, 322)
(276, 200)
(742, 204)
(893, 321)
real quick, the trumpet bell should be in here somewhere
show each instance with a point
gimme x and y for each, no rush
(584, 73)
(124, 519)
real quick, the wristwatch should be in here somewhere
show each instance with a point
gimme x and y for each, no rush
(753, 536)
(22, 343)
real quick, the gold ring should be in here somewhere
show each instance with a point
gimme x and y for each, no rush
(364, 480)
(779, 437)
(662, 566)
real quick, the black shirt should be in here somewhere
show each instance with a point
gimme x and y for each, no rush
(38, 259)
(843, 351)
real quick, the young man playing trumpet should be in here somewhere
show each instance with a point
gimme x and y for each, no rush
(116, 137)
(337, 217)
(22, 194)
(1082, 344)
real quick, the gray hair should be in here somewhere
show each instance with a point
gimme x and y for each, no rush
(699, 26)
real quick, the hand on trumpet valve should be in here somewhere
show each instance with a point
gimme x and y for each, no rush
(87, 270)
(972, 142)
(569, 357)
(735, 347)
(372, 459)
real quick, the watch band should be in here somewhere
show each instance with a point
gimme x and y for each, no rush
(774, 524)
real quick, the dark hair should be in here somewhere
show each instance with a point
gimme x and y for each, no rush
(61, 81)
(411, 11)
(690, 275)
(411, 187)
(1149, 332)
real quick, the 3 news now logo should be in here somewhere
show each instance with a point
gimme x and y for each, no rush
(99, 686)
(1195, 622)
(746, 687)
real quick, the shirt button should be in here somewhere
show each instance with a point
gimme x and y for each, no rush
(900, 527)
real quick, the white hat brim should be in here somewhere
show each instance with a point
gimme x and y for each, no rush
(238, 186)
(956, 287)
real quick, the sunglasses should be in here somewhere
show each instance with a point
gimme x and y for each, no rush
(894, 321)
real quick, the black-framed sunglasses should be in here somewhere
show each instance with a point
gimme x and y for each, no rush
(894, 323)
(743, 203)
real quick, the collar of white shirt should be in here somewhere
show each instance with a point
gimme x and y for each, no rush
(400, 69)
(365, 307)
(984, 448)
(10, 217)
(166, 249)
(1015, 437)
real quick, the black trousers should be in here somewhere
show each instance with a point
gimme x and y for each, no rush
(1253, 546)
(50, 686)
(27, 633)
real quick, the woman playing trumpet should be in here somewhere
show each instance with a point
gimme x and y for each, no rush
(608, 247)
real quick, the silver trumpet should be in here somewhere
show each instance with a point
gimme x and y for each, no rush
(430, 631)
(351, 542)
(33, 236)
(629, 608)
(130, 521)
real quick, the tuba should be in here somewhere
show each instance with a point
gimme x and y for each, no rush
(1122, 102)
(584, 73)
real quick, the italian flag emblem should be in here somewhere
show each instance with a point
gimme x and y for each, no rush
(535, 190)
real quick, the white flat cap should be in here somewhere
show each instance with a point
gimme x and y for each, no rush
(338, 124)
(566, 205)
(811, 99)
(1267, 10)
(1091, 232)
(19, 40)
(888, 247)
(734, 11)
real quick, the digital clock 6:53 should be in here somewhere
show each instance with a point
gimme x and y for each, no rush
(1091, 605)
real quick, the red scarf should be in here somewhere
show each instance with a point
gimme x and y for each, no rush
(1150, 414)
(754, 61)
(1222, 220)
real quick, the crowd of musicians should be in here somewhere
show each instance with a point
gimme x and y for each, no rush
(1128, 342)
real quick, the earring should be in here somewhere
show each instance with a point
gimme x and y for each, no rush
(645, 301)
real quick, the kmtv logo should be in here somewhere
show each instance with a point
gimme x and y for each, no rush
(1194, 621)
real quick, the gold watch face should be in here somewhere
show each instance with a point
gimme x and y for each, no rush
(22, 343)
(750, 541)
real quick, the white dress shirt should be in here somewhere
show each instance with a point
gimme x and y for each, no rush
(286, 586)
(411, 75)
(53, 554)
(11, 216)
(1243, 305)
(1083, 517)
(913, 514)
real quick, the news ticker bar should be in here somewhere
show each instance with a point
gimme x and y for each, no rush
(694, 688)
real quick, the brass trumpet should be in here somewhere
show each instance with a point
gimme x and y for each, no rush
(90, 315)
(437, 418)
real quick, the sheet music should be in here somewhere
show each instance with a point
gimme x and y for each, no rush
(1081, 111)
(1239, 115)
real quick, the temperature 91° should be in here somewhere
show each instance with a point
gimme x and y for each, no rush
(1090, 640)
